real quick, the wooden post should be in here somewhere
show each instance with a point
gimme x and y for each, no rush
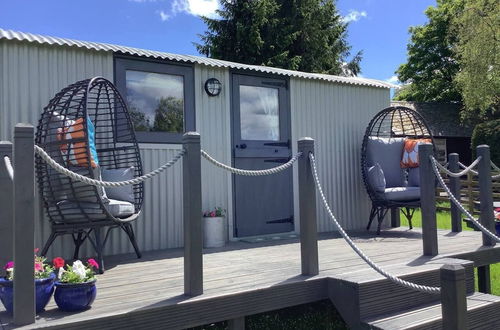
(456, 215)
(24, 225)
(470, 193)
(6, 206)
(486, 193)
(484, 279)
(453, 297)
(307, 207)
(236, 324)
(428, 200)
(395, 217)
(193, 231)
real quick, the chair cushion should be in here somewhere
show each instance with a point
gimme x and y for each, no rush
(120, 209)
(376, 178)
(70, 210)
(125, 193)
(410, 152)
(414, 177)
(402, 193)
(387, 153)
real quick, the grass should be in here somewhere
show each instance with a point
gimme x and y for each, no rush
(444, 222)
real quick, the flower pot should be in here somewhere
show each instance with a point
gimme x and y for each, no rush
(73, 297)
(43, 292)
(497, 227)
(214, 233)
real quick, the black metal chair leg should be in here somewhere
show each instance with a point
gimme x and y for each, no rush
(130, 232)
(49, 242)
(372, 216)
(78, 243)
(99, 247)
(380, 219)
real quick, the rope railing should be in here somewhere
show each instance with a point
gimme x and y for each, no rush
(452, 197)
(465, 167)
(75, 176)
(380, 270)
(239, 171)
(8, 166)
(466, 170)
(493, 166)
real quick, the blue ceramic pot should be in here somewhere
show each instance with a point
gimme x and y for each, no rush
(43, 288)
(73, 297)
(497, 226)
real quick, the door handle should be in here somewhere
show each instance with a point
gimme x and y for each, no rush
(241, 146)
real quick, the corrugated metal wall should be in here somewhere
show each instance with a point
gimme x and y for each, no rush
(336, 116)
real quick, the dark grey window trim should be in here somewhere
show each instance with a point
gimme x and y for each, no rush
(121, 64)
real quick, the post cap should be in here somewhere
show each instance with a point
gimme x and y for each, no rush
(24, 130)
(453, 272)
(190, 137)
(305, 143)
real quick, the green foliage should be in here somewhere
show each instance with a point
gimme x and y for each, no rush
(139, 120)
(478, 55)
(297, 35)
(431, 64)
(488, 133)
(77, 273)
(169, 115)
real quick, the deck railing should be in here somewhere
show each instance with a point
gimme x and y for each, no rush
(17, 235)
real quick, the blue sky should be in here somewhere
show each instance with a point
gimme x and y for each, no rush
(378, 27)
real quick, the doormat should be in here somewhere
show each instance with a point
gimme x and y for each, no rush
(267, 238)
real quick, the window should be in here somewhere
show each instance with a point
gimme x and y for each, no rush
(259, 113)
(159, 97)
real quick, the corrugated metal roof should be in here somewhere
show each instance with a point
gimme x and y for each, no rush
(21, 36)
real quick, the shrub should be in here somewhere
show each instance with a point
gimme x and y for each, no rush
(488, 133)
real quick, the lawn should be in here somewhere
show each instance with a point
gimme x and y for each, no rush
(444, 222)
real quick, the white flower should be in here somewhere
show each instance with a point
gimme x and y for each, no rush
(61, 272)
(79, 269)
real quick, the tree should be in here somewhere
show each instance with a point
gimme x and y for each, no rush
(431, 65)
(139, 120)
(305, 35)
(478, 55)
(169, 115)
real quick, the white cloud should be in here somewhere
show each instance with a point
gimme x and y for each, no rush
(354, 16)
(393, 80)
(163, 15)
(196, 7)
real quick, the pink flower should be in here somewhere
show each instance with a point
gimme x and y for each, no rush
(8, 265)
(36, 250)
(212, 214)
(38, 266)
(93, 263)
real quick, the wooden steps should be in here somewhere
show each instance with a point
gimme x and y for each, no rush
(367, 296)
(483, 312)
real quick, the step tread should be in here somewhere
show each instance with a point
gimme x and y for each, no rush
(429, 316)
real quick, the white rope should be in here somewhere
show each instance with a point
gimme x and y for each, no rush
(496, 168)
(75, 176)
(8, 166)
(459, 205)
(238, 171)
(465, 167)
(394, 279)
(464, 172)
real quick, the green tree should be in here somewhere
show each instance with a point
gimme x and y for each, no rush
(431, 65)
(169, 115)
(139, 120)
(305, 35)
(478, 55)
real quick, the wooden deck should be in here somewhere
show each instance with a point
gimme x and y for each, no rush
(247, 278)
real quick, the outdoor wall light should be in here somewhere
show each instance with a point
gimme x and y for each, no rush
(213, 87)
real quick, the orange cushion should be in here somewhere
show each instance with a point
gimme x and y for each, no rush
(74, 153)
(410, 152)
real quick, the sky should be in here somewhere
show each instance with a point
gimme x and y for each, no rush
(377, 27)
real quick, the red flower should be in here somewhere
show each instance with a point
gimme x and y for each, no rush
(58, 262)
(93, 263)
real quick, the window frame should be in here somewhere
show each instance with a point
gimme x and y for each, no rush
(124, 63)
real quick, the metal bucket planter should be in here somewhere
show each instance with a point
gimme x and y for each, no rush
(214, 232)
(43, 292)
(74, 297)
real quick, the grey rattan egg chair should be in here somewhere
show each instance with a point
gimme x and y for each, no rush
(382, 146)
(74, 208)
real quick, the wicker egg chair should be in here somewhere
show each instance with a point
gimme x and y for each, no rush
(382, 146)
(74, 208)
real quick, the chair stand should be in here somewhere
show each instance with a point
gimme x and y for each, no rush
(409, 212)
(379, 212)
(79, 236)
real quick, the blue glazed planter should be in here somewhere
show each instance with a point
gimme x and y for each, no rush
(43, 290)
(74, 297)
(497, 226)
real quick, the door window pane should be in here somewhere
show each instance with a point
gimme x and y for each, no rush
(155, 101)
(259, 113)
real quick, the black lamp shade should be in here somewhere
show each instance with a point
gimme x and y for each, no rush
(213, 87)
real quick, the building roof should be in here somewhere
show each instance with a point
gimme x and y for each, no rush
(443, 118)
(47, 40)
